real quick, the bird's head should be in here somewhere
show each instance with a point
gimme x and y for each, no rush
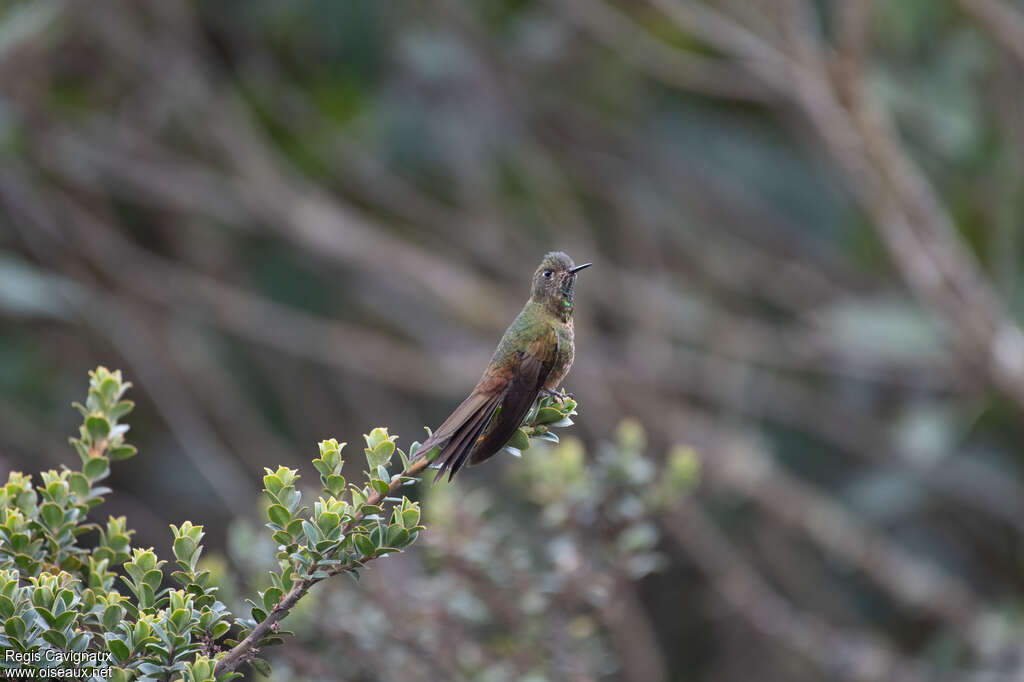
(555, 280)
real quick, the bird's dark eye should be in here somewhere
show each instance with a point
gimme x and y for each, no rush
(547, 273)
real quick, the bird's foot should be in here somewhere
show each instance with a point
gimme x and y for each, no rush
(558, 395)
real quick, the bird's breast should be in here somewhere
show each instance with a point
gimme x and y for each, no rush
(563, 356)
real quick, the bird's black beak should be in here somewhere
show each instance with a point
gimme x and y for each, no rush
(579, 267)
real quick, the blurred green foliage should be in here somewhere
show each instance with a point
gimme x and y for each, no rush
(60, 602)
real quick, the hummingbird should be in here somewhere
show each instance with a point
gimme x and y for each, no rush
(532, 358)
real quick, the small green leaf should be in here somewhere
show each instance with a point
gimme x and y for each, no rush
(322, 467)
(65, 619)
(96, 468)
(119, 649)
(410, 517)
(180, 619)
(79, 485)
(271, 597)
(358, 498)
(98, 427)
(121, 409)
(80, 641)
(153, 578)
(26, 564)
(376, 437)
(52, 515)
(108, 388)
(81, 448)
(397, 536)
(15, 627)
(272, 482)
(328, 521)
(112, 616)
(279, 515)
(289, 496)
(363, 544)
(57, 491)
(519, 440)
(312, 533)
(122, 452)
(548, 415)
(260, 666)
(184, 548)
(336, 484)
(384, 450)
(56, 639)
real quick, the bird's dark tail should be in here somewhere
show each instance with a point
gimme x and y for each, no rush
(459, 434)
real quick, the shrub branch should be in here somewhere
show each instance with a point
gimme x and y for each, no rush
(245, 649)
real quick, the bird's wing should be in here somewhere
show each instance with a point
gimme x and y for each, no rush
(486, 420)
(532, 370)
